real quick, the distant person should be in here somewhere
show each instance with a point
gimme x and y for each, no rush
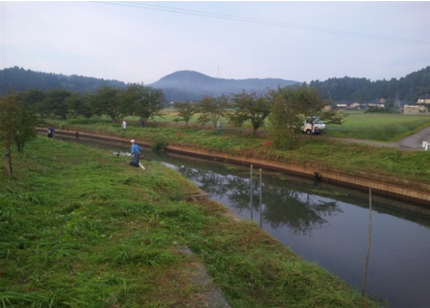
(124, 125)
(51, 131)
(135, 152)
(142, 122)
(218, 128)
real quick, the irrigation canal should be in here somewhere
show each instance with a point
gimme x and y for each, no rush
(383, 252)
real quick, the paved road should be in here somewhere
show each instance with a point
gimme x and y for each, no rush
(413, 142)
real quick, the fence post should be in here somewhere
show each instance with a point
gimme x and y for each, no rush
(250, 194)
(261, 204)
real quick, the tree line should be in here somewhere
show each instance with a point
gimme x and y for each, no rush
(116, 103)
(406, 89)
(20, 112)
(18, 79)
(362, 90)
(285, 108)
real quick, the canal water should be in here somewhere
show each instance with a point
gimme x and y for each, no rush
(384, 253)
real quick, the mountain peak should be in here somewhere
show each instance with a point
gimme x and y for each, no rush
(200, 84)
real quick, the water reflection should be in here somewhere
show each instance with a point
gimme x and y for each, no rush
(283, 205)
(300, 211)
(330, 225)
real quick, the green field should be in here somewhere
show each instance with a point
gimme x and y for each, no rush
(378, 127)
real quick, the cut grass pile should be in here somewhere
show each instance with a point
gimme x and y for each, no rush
(79, 227)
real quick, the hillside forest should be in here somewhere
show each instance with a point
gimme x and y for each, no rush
(347, 89)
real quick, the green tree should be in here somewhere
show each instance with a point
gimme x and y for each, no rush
(106, 101)
(17, 125)
(79, 105)
(55, 103)
(212, 109)
(33, 98)
(289, 107)
(27, 119)
(185, 111)
(249, 107)
(144, 102)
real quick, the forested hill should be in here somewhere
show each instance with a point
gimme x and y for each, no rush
(185, 83)
(18, 79)
(407, 88)
(190, 85)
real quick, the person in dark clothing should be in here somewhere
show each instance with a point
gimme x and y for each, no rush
(51, 132)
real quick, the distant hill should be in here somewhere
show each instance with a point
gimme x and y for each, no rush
(178, 86)
(18, 79)
(191, 83)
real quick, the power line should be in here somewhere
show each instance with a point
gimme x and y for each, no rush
(148, 6)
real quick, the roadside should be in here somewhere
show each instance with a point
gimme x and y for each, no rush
(413, 142)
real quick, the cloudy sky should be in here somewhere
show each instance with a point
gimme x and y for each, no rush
(144, 41)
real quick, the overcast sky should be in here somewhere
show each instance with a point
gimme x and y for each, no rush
(144, 41)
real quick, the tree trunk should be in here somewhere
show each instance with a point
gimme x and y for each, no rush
(8, 160)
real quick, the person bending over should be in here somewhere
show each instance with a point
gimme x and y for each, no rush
(135, 152)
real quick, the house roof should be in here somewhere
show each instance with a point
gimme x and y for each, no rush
(424, 96)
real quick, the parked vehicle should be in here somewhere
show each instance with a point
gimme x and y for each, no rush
(313, 125)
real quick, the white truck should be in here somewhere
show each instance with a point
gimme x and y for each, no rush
(313, 125)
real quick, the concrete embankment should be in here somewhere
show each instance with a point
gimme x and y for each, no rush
(409, 191)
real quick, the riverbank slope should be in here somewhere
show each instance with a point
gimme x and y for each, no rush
(386, 170)
(82, 228)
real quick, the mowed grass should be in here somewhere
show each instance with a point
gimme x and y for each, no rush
(79, 227)
(322, 153)
(360, 125)
(387, 127)
(378, 126)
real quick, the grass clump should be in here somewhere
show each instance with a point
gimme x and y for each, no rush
(81, 228)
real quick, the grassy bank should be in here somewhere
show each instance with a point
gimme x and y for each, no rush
(386, 127)
(81, 228)
(323, 153)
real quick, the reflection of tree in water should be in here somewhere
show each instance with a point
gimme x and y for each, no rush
(212, 183)
(300, 211)
(284, 205)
